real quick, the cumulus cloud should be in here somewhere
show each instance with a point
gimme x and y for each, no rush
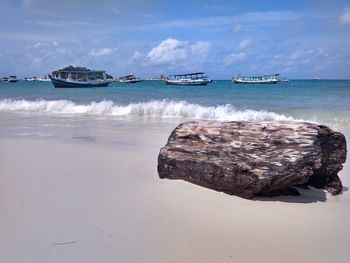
(168, 51)
(235, 57)
(171, 50)
(100, 52)
(245, 43)
(38, 45)
(345, 17)
(135, 56)
(47, 44)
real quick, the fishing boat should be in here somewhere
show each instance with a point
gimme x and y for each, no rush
(79, 79)
(43, 78)
(190, 79)
(12, 79)
(30, 79)
(265, 79)
(129, 79)
(160, 78)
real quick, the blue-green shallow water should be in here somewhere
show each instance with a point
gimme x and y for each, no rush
(38, 108)
(297, 94)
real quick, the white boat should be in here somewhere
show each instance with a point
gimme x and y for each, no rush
(129, 79)
(30, 79)
(43, 78)
(190, 79)
(160, 78)
(265, 79)
(12, 79)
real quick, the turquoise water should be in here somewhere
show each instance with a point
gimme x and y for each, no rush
(34, 107)
(298, 94)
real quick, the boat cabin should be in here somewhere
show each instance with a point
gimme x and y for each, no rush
(191, 76)
(80, 75)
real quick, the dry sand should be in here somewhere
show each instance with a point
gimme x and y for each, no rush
(87, 202)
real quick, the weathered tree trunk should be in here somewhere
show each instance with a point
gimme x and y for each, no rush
(254, 158)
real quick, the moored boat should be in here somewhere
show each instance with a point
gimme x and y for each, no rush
(43, 78)
(30, 79)
(129, 79)
(190, 79)
(265, 79)
(12, 79)
(79, 78)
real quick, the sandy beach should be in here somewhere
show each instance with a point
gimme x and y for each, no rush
(82, 201)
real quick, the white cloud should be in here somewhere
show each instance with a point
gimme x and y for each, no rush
(171, 50)
(168, 51)
(135, 56)
(235, 57)
(345, 17)
(101, 52)
(245, 44)
(46, 44)
(38, 45)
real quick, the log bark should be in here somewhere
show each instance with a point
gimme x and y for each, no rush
(250, 159)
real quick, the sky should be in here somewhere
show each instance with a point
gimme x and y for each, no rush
(298, 39)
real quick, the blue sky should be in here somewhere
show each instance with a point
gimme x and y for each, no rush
(299, 39)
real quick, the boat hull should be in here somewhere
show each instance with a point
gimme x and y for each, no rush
(255, 82)
(60, 83)
(129, 81)
(187, 83)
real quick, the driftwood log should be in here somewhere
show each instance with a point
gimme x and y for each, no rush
(250, 159)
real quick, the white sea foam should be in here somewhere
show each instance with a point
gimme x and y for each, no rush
(152, 109)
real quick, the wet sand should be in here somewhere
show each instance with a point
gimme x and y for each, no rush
(81, 201)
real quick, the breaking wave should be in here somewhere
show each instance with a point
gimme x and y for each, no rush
(151, 109)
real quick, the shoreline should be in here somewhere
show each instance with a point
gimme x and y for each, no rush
(103, 202)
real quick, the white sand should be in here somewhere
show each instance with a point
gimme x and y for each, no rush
(108, 205)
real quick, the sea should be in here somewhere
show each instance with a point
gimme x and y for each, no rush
(109, 114)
